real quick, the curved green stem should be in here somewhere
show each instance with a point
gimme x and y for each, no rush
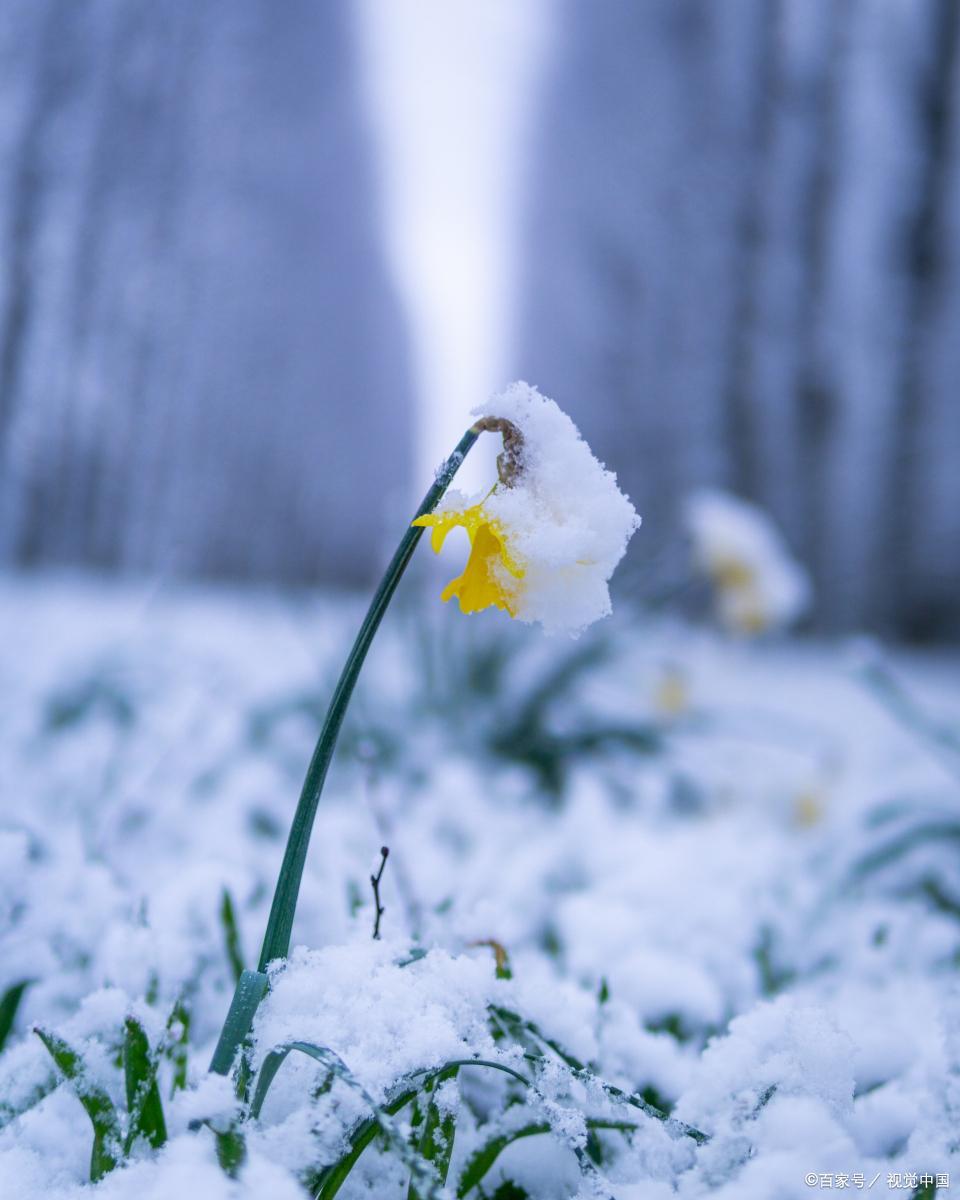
(276, 942)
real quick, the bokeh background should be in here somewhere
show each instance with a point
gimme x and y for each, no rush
(257, 263)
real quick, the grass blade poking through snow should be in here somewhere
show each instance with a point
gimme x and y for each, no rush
(276, 942)
(97, 1104)
(176, 1045)
(231, 934)
(9, 1004)
(251, 988)
(436, 1138)
(942, 740)
(421, 1172)
(144, 1107)
(482, 1160)
(326, 1182)
(529, 1036)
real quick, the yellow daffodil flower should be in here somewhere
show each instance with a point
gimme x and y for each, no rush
(488, 578)
(672, 694)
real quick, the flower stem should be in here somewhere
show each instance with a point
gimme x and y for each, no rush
(252, 985)
(276, 942)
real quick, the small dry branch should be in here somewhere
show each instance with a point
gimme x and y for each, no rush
(375, 884)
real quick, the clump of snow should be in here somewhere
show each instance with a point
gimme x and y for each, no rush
(566, 522)
(757, 585)
(780, 1048)
(384, 1015)
(781, 1077)
(187, 1168)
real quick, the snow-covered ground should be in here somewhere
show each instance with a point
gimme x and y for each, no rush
(725, 874)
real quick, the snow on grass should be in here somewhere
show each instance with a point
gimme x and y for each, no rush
(744, 909)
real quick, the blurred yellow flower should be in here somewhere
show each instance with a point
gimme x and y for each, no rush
(492, 574)
(671, 695)
(808, 808)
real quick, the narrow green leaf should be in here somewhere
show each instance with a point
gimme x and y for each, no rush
(423, 1173)
(528, 1035)
(10, 1111)
(231, 1151)
(508, 1190)
(899, 846)
(9, 1003)
(488, 1064)
(231, 934)
(276, 942)
(250, 990)
(144, 1106)
(177, 1045)
(436, 1139)
(887, 689)
(265, 1077)
(325, 1183)
(480, 1162)
(96, 1103)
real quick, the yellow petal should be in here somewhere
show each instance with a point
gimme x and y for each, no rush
(480, 586)
(481, 583)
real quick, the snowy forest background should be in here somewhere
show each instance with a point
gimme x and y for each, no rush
(724, 236)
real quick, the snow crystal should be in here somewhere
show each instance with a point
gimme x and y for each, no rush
(757, 584)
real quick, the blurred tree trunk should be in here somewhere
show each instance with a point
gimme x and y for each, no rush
(202, 366)
(745, 271)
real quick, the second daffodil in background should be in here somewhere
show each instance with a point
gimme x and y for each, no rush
(546, 538)
(757, 586)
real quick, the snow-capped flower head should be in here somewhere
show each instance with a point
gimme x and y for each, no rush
(757, 585)
(546, 538)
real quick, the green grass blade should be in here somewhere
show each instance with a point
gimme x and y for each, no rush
(10, 1111)
(528, 1035)
(144, 1106)
(177, 1046)
(96, 1103)
(276, 942)
(482, 1160)
(887, 689)
(9, 1004)
(250, 990)
(423, 1173)
(266, 1075)
(455, 1063)
(231, 1145)
(436, 1139)
(325, 1183)
(231, 934)
(898, 846)
(231, 1151)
